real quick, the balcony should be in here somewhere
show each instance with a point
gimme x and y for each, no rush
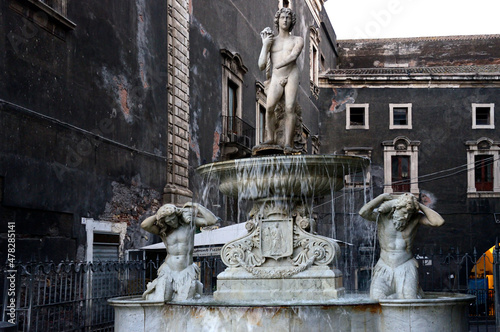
(238, 138)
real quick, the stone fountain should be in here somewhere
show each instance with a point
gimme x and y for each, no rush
(281, 258)
(281, 276)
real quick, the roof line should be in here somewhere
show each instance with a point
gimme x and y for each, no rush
(437, 70)
(427, 38)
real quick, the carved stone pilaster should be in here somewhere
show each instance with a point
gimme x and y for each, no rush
(176, 190)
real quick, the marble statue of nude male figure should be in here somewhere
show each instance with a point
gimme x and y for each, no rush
(177, 276)
(283, 51)
(397, 217)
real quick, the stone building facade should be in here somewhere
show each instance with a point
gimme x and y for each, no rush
(107, 109)
(227, 95)
(94, 108)
(423, 110)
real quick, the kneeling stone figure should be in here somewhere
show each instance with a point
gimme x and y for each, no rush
(397, 217)
(178, 276)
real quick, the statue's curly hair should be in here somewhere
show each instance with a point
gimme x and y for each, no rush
(409, 201)
(167, 211)
(288, 11)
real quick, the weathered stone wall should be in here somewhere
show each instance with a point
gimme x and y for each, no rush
(81, 109)
(103, 103)
(419, 52)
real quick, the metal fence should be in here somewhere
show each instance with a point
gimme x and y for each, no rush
(442, 271)
(465, 273)
(73, 296)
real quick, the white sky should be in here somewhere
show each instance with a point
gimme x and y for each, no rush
(355, 19)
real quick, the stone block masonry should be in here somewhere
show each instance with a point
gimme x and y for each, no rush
(177, 188)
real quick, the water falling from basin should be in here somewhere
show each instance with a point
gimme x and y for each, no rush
(281, 257)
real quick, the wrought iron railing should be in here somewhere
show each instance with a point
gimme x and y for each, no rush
(71, 296)
(461, 273)
(235, 130)
(452, 271)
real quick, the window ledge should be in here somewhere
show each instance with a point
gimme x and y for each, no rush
(483, 194)
(44, 16)
(357, 128)
(483, 127)
(400, 127)
(61, 19)
(415, 192)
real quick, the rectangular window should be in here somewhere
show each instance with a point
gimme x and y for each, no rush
(284, 3)
(400, 116)
(314, 69)
(232, 106)
(401, 173)
(262, 123)
(104, 239)
(314, 52)
(106, 247)
(483, 116)
(357, 116)
(483, 172)
(356, 180)
(232, 90)
(401, 165)
(362, 178)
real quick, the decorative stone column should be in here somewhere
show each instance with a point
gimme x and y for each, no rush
(176, 190)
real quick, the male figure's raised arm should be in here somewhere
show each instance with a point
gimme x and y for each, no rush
(430, 217)
(267, 42)
(368, 210)
(149, 225)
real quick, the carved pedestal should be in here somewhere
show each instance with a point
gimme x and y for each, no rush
(279, 260)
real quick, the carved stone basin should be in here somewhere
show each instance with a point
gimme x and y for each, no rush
(282, 176)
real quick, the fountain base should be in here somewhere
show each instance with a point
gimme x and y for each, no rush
(436, 312)
(318, 283)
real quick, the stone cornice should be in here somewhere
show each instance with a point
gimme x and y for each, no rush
(411, 80)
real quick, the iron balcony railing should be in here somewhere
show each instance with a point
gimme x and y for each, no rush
(235, 130)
